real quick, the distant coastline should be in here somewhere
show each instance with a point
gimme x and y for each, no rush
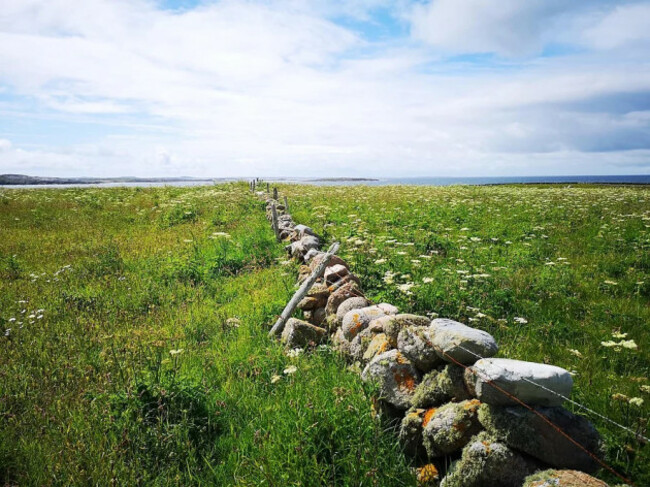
(22, 179)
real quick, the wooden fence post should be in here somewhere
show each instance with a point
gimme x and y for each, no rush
(274, 221)
(268, 188)
(286, 204)
(302, 291)
(275, 193)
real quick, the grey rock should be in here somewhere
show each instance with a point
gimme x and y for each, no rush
(441, 386)
(486, 462)
(347, 291)
(562, 478)
(451, 427)
(395, 324)
(410, 433)
(527, 432)
(396, 376)
(415, 343)
(519, 378)
(335, 273)
(349, 304)
(357, 320)
(299, 334)
(461, 342)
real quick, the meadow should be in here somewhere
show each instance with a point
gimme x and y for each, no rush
(133, 324)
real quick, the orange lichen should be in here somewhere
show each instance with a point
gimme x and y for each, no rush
(427, 474)
(472, 405)
(400, 359)
(427, 416)
(404, 380)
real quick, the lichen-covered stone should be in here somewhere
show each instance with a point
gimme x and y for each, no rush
(415, 343)
(486, 462)
(518, 378)
(341, 343)
(388, 308)
(357, 320)
(356, 302)
(316, 316)
(428, 476)
(395, 324)
(441, 386)
(316, 297)
(562, 478)
(461, 342)
(299, 248)
(349, 290)
(298, 334)
(334, 273)
(378, 345)
(410, 433)
(451, 428)
(396, 376)
(334, 260)
(525, 431)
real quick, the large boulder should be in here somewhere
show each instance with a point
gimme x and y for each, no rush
(299, 334)
(519, 379)
(441, 386)
(396, 376)
(415, 343)
(357, 320)
(451, 427)
(454, 340)
(486, 462)
(524, 430)
(562, 478)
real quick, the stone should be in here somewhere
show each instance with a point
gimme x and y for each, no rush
(394, 324)
(378, 345)
(451, 427)
(512, 376)
(349, 290)
(356, 302)
(461, 342)
(334, 273)
(316, 316)
(396, 376)
(441, 386)
(334, 260)
(410, 433)
(299, 248)
(562, 478)
(341, 343)
(316, 298)
(388, 308)
(302, 231)
(311, 254)
(299, 334)
(357, 320)
(343, 281)
(523, 430)
(486, 462)
(303, 273)
(427, 476)
(415, 343)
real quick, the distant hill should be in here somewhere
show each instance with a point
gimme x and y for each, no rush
(9, 179)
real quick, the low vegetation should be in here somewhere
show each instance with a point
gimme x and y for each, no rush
(133, 324)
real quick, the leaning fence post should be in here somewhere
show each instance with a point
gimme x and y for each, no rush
(303, 290)
(286, 204)
(274, 221)
(275, 193)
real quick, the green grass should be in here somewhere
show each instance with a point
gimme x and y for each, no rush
(135, 374)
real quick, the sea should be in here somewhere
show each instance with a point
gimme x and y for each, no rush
(415, 181)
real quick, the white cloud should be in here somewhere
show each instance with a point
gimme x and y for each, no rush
(245, 88)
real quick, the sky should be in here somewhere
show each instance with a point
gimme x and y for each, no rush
(336, 88)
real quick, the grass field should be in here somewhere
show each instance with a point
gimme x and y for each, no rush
(133, 324)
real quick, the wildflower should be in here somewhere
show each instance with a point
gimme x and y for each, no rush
(611, 283)
(292, 369)
(427, 280)
(295, 352)
(575, 352)
(380, 261)
(620, 397)
(629, 344)
(636, 401)
(405, 288)
(175, 352)
(520, 320)
(619, 335)
(645, 389)
(275, 378)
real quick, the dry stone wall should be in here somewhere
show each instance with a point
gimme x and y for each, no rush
(465, 418)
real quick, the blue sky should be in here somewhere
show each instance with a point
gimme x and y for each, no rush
(324, 87)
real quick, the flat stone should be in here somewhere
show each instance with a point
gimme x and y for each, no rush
(487, 462)
(562, 478)
(451, 427)
(441, 386)
(396, 376)
(334, 273)
(525, 431)
(299, 334)
(415, 343)
(461, 342)
(394, 324)
(512, 376)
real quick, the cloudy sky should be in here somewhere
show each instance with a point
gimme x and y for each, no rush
(324, 87)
